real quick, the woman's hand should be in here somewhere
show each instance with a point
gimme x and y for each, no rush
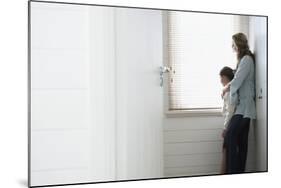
(225, 89)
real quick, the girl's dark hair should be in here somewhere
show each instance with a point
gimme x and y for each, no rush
(241, 42)
(228, 72)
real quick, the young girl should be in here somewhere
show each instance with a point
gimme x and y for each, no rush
(226, 75)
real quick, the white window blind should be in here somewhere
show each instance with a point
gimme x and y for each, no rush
(199, 45)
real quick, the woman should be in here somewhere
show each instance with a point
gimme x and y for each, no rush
(242, 95)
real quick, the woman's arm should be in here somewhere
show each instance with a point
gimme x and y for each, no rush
(239, 77)
(225, 89)
(229, 112)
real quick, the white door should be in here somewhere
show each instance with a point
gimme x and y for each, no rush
(258, 27)
(139, 95)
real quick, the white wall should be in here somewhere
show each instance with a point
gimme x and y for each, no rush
(60, 145)
(193, 145)
(91, 115)
(258, 44)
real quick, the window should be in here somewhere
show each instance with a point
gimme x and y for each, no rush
(199, 45)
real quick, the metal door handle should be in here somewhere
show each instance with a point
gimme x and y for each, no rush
(163, 69)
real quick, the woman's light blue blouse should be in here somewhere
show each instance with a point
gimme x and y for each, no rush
(242, 88)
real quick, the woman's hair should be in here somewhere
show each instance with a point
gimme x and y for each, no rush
(241, 41)
(228, 72)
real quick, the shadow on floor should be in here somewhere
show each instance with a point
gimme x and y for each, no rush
(23, 183)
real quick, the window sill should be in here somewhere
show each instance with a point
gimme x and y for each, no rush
(192, 113)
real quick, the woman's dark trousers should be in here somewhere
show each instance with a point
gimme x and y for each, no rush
(237, 144)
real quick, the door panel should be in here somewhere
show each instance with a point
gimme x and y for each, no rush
(139, 95)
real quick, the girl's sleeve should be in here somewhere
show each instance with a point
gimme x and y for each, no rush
(239, 77)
